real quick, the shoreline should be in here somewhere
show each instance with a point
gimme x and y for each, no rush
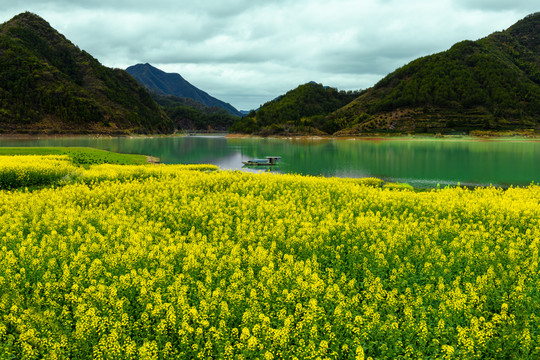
(386, 137)
(24, 136)
(361, 137)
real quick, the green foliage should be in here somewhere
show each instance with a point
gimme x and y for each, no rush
(377, 183)
(365, 181)
(299, 110)
(398, 186)
(466, 76)
(492, 84)
(47, 84)
(370, 181)
(189, 114)
(165, 84)
(247, 125)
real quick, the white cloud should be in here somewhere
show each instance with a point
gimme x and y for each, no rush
(247, 52)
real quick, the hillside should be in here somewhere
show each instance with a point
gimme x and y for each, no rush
(189, 114)
(489, 84)
(300, 110)
(164, 83)
(48, 85)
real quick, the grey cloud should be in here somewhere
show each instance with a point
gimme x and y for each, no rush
(217, 9)
(497, 5)
(250, 51)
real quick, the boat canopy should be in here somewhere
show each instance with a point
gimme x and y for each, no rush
(269, 160)
(259, 161)
(273, 159)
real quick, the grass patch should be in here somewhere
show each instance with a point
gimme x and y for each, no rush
(80, 156)
(37, 171)
(36, 167)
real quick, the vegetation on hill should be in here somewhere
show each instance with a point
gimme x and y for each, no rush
(47, 84)
(300, 110)
(164, 83)
(189, 114)
(489, 84)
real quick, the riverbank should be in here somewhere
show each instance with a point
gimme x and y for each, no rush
(480, 136)
(76, 136)
(476, 134)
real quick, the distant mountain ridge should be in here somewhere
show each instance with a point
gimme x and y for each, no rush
(48, 85)
(489, 84)
(164, 83)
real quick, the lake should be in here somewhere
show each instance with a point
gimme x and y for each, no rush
(421, 162)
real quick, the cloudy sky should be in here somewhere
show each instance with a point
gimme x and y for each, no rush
(247, 52)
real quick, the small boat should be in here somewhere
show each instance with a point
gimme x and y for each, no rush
(268, 161)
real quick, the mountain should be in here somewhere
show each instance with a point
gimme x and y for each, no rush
(489, 84)
(298, 111)
(189, 114)
(164, 83)
(47, 84)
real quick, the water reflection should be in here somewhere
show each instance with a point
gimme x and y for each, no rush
(420, 162)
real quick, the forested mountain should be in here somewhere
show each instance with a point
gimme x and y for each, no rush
(300, 110)
(189, 114)
(491, 84)
(47, 84)
(164, 83)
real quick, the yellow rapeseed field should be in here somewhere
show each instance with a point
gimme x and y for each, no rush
(159, 262)
(33, 170)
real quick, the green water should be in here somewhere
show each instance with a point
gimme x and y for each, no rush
(419, 162)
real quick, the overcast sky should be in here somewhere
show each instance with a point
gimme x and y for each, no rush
(247, 52)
